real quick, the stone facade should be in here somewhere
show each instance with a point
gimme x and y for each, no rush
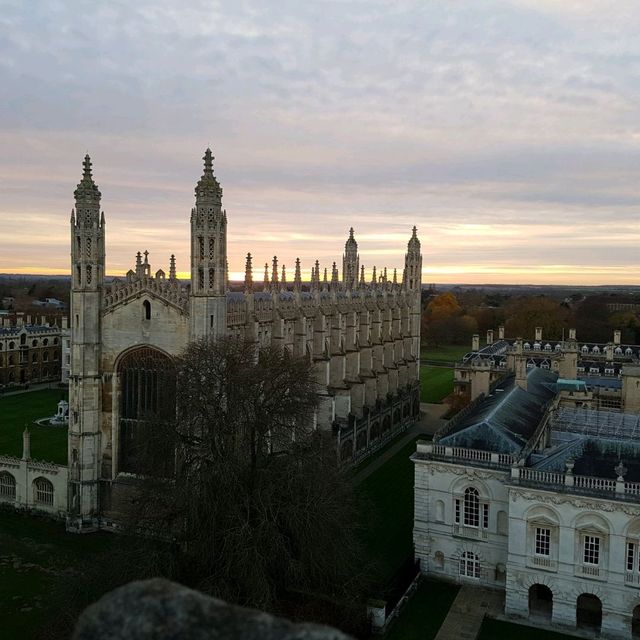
(362, 337)
(527, 494)
(29, 352)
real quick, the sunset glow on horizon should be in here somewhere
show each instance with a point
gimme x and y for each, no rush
(508, 132)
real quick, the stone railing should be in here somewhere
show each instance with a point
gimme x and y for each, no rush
(461, 454)
(567, 481)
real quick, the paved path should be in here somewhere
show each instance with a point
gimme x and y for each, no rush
(428, 424)
(467, 612)
(32, 387)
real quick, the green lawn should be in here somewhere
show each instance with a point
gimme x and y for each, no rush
(34, 552)
(499, 630)
(20, 411)
(389, 537)
(435, 383)
(445, 352)
(425, 612)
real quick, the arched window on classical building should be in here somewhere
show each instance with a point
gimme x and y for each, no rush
(7, 486)
(147, 391)
(43, 491)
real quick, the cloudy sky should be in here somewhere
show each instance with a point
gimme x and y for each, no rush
(508, 131)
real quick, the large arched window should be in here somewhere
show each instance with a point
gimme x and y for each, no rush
(147, 401)
(42, 491)
(7, 486)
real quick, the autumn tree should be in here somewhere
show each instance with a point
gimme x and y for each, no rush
(445, 321)
(523, 315)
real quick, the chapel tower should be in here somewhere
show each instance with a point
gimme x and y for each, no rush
(350, 263)
(87, 272)
(413, 283)
(208, 304)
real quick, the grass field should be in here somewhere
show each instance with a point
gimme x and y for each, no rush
(445, 352)
(21, 410)
(33, 553)
(499, 630)
(425, 612)
(436, 383)
(389, 537)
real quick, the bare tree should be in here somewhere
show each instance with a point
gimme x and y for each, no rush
(257, 508)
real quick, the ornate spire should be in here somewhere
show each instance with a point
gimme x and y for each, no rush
(325, 282)
(266, 276)
(316, 278)
(87, 190)
(274, 271)
(283, 280)
(395, 277)
(297, 278)
(362, 282)
(172, 267)
(248, 275)
(208, 187)
(384, 275)
(374, 277)
(351, 241)
(414, 243)
(334, 276)
(138, 264)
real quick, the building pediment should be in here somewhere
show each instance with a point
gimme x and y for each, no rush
(169, 292)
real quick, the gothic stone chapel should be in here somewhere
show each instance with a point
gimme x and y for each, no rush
(363, 338)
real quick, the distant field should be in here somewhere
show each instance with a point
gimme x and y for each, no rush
(445, 353)
(20, 411)
(435, 383)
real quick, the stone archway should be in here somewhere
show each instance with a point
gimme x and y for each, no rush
(635, 623)
(589, 612)
(540, 601)
(147, 399)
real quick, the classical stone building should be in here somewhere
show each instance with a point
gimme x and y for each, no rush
(532, 492)
(30, 351)
(362, 337)
(609, 373)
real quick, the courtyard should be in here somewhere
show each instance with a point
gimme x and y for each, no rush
(21, 410)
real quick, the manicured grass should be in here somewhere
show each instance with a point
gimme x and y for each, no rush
(499, 630)
(388, 539)
(33, 553)
(445, 352)
(425, 612)
(435, 383)
(20, 411)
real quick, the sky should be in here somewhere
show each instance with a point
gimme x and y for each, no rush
(507, 131)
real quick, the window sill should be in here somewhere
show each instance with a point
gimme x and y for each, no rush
(542, 563)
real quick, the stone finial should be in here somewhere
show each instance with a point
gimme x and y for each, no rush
(87, 190)
(283, 279)
(172, 267)
(414, 244)
(325, 281)
(248, 275)
(621, 471)
(395, 277)
(274, 271)
(374, 277)
(266, 276)
(362, 281)
(317, 277)
(26, 444)
(208, 187)
(297, 278)
(334, 275)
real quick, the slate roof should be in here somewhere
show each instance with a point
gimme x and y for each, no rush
(505, 420)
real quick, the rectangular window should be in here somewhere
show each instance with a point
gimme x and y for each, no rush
(591, 550)
(457, 512)
(631, 552)
(543, 541)
(485, 516)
